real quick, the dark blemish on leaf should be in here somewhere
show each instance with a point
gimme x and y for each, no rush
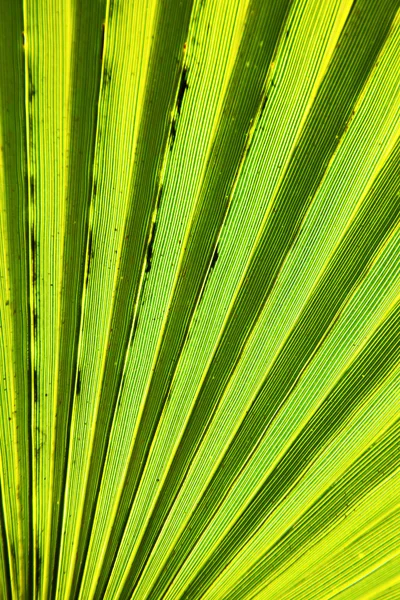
(102, 42)
(33, 256)
(214, 258)
(149, 254)
(173, 134)
(78, 383)
(90, 245)
(263, 104)
(94, 189)
(106, 76)
(182, 89)
(158, 201)
(7, 303)
(34, 321)
(38, 568)
(31, 87)
(33, 243)
(23, 39)
(32, 91)
(35, 385)
(32, 186)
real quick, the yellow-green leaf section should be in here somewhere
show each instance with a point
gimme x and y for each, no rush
(199, 299)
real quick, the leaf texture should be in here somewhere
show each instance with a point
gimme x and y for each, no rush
(199, 299)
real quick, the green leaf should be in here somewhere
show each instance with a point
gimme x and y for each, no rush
(199, 299)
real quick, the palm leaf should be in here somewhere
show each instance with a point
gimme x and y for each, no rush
(199, 299)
